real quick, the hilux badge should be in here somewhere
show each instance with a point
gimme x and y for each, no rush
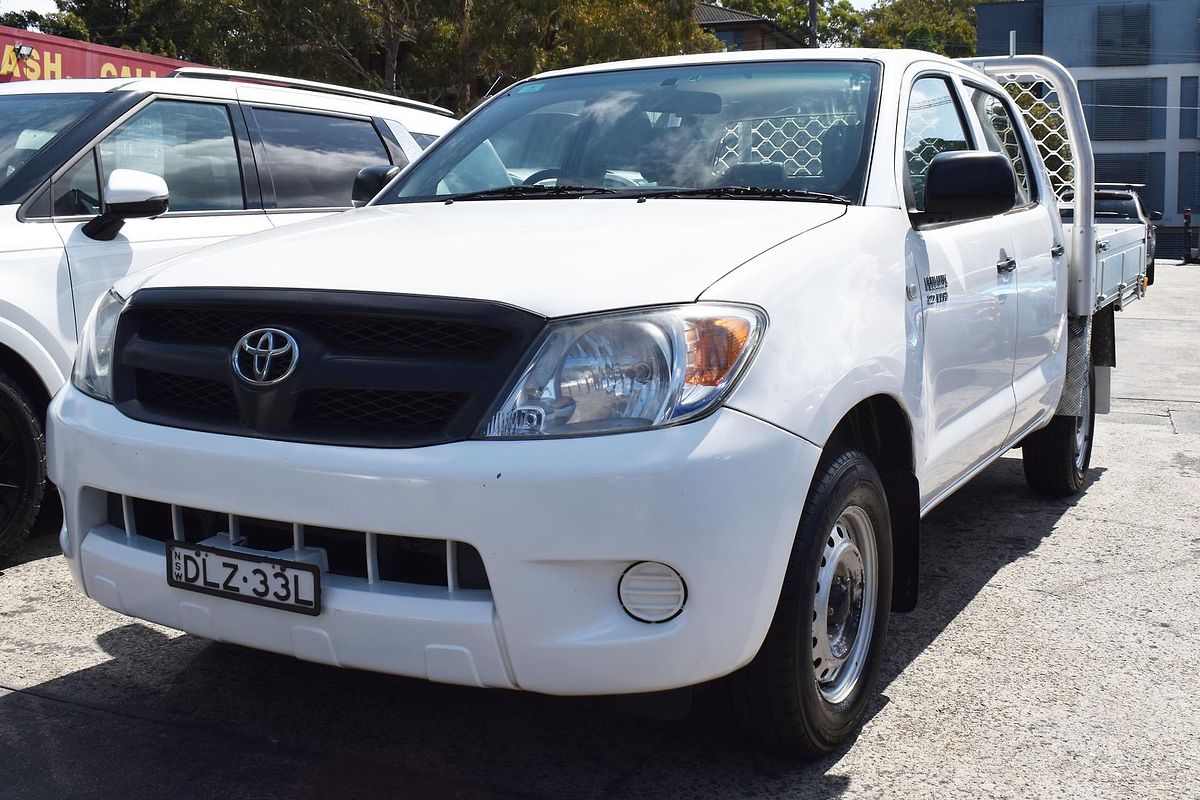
(265, 356)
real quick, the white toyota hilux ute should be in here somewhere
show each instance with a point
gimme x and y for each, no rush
(102, 178)
(655, 400)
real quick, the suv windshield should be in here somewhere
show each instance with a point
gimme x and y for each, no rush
(29, 122)
(799, 126)
(1109, 208)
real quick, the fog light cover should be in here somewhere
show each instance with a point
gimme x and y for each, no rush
(652, 592)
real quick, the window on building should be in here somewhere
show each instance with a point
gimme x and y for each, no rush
(934, 126)
(189, 145)
(1121, 109)
(1123, 34)
(733, 40)
(313, 158)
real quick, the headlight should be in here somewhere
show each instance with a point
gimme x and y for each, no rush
(629, 371)
(93, 363)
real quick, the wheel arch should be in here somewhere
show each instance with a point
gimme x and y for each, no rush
(38, 383)
(881, 428)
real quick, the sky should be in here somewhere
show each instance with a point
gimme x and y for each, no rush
(41, 6)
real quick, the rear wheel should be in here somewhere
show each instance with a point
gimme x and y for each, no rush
(1057, 457)
(808, 689)
(22, 466)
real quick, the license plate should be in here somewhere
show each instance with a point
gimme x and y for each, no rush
(264, 581)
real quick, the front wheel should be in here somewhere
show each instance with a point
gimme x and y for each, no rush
(1057, 457)
(22, 466)
(808, 689)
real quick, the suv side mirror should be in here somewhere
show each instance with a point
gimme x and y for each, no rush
(1156, 216)
(370, 181)
(963, 185)
(128, 194)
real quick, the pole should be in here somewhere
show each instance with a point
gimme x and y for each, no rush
(1012, 43)
(1187, 236)
(812, 23)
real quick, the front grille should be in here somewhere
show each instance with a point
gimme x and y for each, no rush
(164, 390)
(374, 370)
(356, 333)
(408, 410)
(372, 558)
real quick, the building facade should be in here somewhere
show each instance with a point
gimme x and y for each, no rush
(1138, 68)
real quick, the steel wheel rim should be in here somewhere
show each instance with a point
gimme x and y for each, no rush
(844, 605)
(12, 463)
(1083, 429)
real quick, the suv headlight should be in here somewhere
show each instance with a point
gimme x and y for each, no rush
(629, 371)
(93, 363)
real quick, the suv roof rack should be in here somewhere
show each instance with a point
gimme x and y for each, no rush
(211, 73)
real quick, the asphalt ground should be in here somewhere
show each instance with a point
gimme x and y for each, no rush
(1055, 652)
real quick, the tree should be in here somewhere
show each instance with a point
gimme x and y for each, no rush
(838, 22)
(941, 26)
(56, 24)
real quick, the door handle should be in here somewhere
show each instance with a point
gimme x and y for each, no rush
(1057, 251)
(1006, 265)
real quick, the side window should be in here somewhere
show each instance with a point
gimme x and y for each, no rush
(934, 126)
(1001, 135)
(189, 145)
(313, 158)
(77, 192)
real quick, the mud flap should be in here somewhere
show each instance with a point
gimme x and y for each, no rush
(904, 503)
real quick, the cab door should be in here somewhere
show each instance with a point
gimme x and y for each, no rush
(202, 152)
(969, 310)
(1040, 269)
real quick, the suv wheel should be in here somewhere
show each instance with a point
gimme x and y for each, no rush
(22, 466)
(808, 689)
(1057, 457)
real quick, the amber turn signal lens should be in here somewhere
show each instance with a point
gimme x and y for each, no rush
(714, 345)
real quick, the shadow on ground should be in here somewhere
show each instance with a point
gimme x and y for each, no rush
(193, 718)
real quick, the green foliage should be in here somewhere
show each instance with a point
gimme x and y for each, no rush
(444, 51)
(57, 24)
(940, 26)
(839, 23)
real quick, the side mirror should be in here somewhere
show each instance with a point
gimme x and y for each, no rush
(370, 181)
(1156, 216)
(128, 194)
(965, 185)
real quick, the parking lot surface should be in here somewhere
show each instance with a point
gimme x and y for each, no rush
(1055, 651)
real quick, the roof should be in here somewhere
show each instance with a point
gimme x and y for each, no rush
(709, 14)
(890, 58)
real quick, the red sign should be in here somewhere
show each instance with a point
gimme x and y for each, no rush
(29, 56)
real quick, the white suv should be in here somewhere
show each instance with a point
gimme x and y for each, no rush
(101, 178)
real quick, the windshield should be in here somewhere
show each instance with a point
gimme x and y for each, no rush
(803, 126)
(1109, 208)
(29, 122)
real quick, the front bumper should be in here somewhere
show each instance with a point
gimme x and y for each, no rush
(556, 523)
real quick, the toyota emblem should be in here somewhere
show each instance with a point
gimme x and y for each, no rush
(265, 356)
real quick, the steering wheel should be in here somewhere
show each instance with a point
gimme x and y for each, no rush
(541, 175)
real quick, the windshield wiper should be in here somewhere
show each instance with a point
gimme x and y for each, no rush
(747, 193)
(537, 190)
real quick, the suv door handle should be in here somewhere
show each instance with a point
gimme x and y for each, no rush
(1007, 265)
(1057, 251)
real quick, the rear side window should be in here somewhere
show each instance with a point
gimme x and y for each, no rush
(1001, 135)
(934, 126)
(189, 145)
(312, 159)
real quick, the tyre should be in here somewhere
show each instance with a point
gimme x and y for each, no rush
(1150, 273)
(1057, 457)
(808, 689)
(22, 466)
